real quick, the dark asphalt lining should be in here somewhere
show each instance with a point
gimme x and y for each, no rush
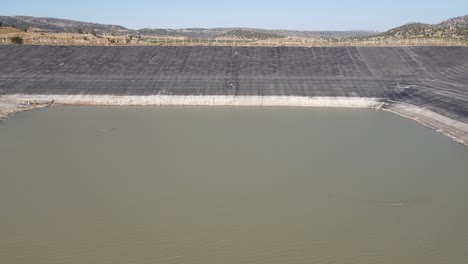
(318, 71)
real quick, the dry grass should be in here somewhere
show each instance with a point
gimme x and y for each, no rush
(75, 39)
(52, 38)
(8, 30)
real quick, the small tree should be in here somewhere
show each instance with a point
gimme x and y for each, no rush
(93, 32)
(17, 40)
(80, 31)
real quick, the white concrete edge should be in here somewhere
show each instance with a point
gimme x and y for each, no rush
(215, 100)
(454, 129)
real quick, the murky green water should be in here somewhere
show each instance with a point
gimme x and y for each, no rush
(229, 185)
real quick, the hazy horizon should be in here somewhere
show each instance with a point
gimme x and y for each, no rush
(294, 15)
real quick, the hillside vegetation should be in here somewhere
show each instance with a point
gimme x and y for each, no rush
(69, 26)
(249, 34)
(452, 28)
(56, 25)
(52, 31)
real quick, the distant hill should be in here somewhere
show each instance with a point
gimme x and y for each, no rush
(321, 34)
(250, 34)
(65, 25)
(247, 32)
(55, 24)
(455, 27)
(185, 32)
(456, 22)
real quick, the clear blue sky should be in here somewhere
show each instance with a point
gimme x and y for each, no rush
(271, 14)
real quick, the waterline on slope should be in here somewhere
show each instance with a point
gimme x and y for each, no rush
(456, 130)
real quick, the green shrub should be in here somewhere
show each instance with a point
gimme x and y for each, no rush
(17, 40)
